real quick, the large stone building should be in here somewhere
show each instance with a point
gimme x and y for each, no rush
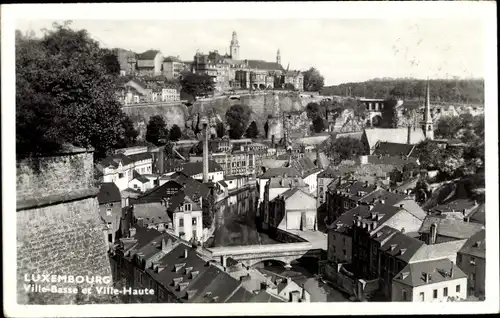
(229, 71)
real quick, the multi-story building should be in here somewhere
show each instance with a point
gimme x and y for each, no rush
(172, 271)
(430, 281)
(471, 259)
(195, 170)
(119, 168)
(110, 208)
(186, 215)
(150, 63)
(294, 209)
(346, 196)
(127, 60)
(172, 67)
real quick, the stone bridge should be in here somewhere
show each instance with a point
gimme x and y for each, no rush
(251, 255)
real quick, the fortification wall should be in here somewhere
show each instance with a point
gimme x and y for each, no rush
(59, 230)
(261, 104)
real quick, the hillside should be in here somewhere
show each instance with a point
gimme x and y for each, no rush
(461, 91)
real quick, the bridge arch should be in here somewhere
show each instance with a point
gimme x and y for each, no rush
(272, 262)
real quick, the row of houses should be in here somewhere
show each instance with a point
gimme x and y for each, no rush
(382, 244)
(148, 89)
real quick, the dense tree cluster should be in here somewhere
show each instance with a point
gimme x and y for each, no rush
(237, 117)
(197, 85)
(344, 148)
(156, 130)
(65, 93)
(252, 131)
(444, 90)
(175, 133)
(313, 80)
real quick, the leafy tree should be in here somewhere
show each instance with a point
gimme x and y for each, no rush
(448, 126)
(318, 124)
(289, 86)
(65, 94)
(175, 133)
(390, 118)
(197, 84)
(252, 131)
(422, 191)
(237, 117)
(313, 110)
(429, 155)
(130, 133)
(156, 130)
(219, 128)
(266, 128)
(313, 80)
(110, 60)
(345, 148)
(197, 149)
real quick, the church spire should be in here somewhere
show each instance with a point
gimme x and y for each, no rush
(428, 124)
(234, 47)
(278, 57)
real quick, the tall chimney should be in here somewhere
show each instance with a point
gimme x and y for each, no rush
(204, 122)
(408, 139)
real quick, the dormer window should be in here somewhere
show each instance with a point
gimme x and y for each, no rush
(187, 207)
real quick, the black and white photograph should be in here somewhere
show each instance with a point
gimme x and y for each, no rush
(293, 153)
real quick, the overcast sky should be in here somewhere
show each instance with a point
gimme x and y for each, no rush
(343, 50)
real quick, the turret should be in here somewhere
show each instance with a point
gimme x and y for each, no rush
(234, 47)
(278, 57)
(428, 124)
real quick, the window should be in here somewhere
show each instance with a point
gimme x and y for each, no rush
(457, 289)
(194, 221)
(344, 252)
(445, 292)
(472, 261)
(120, 175)
(422, 296)
(333, 248)
(181, 222)
(108, 212)
(334, 237)
(346, 205)
(135, 186)
(435, 293)
(404, 295)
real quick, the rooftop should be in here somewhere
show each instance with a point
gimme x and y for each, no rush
(194, 168)
(457, 229)
(108, 193)
(429, 272)
(402, 246)
(393, 149)
(475, 245)
(148, 55)
(287, 182)
(280, 172)
(393, 135)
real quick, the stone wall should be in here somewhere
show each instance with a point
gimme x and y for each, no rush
(59, 231)
(262, 105)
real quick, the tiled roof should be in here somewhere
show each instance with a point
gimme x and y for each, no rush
(395, 161)
(363, 212)
(328, 173)
(148, 55)
(353, 189)
(478, 215)
(113, 160)
(390, 198)
(264, 297)
(280, 172)
(289, 193)
(402, 246)
(393, 149)
(151, 213)
(139, 177)
(447, 249)
(475, 245)
(215, 286)
(394, 135)
(439, 271)
(194, 168)
(457, 229)
(263, 65)
(222, 183)
(280, 182)
(457, 205)
(108, 193)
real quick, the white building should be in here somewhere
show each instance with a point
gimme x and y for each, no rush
(119, 169)
(187, 221)
(430, 281)
(195, 171)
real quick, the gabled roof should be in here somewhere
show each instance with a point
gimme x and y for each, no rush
(345, 221)
(194, 168)
(108, 193)
(478, 215)
(457, 229)
(281, 182)
(172, 59)
(113, 160)
(393, 149)
(352, 189)
(152, 213)
(328, 173)
(139, 177)
(457, 205)
(439, 271)
(148, 55)
(389, 198)
(475, 245)
(215, 286)
(280, 172)
(289, 193)
(394, 135)
(263, 65)
(402, 246)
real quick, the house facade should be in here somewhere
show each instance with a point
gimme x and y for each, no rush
(471, 259)
(110, 209)
(294, 209)
(149, 63)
